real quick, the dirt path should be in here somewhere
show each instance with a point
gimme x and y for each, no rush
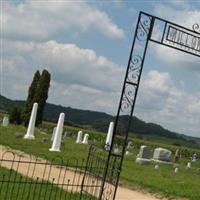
(59, 175)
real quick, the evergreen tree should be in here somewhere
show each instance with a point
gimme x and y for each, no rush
(30, 99)
(41, 94)
(15, 115)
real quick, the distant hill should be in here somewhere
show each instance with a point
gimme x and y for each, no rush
(100, 121)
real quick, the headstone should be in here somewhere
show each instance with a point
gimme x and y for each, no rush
(53, 134)
(85, 139)
(109, 136)
(189, 165)
(58, 134)
(67, 134)
(156, 166)
(18, 135)
(79, 137)
(162, 154)
(144, 155)
(130, 145)
(117, 151)
(145, 152)
(5, 121)
(194, 157)
(31, 126)
(127, 153)
(176, 170)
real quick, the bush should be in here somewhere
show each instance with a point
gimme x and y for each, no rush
(15, 115)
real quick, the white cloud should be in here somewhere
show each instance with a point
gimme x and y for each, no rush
(79, 76)
(160, 101)
(44, 20)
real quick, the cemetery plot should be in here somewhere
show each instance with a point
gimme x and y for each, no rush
(154, 177)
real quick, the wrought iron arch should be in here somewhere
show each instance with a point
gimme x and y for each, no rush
(173, 36)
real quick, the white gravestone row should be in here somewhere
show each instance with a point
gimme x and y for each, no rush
(160, 155)
(57, 132)
(82, 140)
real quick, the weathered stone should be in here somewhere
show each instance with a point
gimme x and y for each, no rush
(145, 152)
(162, 154)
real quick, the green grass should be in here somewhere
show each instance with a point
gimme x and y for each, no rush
(185, 183)
(23, 188)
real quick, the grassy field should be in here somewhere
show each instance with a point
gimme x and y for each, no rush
(185, 183)
(23, 188)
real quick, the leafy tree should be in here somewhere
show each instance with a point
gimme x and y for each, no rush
(41, 94)
(15, 115)
(30, 99)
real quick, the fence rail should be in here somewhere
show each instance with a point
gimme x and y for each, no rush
(27, 177)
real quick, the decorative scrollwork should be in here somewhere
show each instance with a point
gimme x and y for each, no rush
(134, 69)
(143, 28)
(196, 28)
(128, 98)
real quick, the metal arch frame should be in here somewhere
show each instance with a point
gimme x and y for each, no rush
(143, 34)
(173, 36)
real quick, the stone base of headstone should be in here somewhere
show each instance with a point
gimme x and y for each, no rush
(117, 151)
(55, 150)
(143, 160)
(162, 162)
(29, 137)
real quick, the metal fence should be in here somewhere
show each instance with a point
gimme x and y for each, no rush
(27, 177)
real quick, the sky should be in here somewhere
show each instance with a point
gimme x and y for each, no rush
(85, 46)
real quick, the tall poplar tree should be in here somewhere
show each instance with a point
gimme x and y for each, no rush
(30, 99)
(41, 94)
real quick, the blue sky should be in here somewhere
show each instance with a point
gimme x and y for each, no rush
(86, 44)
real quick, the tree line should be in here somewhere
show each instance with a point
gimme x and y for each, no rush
(37, 92)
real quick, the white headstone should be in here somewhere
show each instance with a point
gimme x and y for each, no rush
(109, 136)
(189, 165)
(130, 145)
(58, 134)
(31, 126)
(156, 166)
(85, 139)
(144, 152)
(194, 157)
(79, 137)
(53, 134)
(5, 121)
(127, 153)
(162, 154)
(176, 170)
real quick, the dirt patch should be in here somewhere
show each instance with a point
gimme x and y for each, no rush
(59, 174)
